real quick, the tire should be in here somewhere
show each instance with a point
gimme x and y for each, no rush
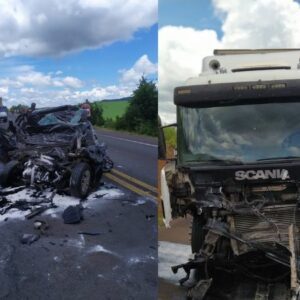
(9, 174)
(98, 176)
(198, 234)
(80, 180)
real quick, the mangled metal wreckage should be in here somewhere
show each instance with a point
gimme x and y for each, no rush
(237, 173)
(53, 147)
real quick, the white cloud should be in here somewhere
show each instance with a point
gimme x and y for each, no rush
(259, 23)
(72, 82)
(3, 91)
(56, 27)
(34, 78)
(246, 24)
(181, 50)
(142, 67)
(26, 85)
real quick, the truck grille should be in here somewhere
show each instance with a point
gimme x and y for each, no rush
(272, 226)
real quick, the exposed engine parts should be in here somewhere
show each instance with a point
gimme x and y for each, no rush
(55, 147)
(235, 225)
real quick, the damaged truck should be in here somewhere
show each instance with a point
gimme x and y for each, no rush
(53, 147)
(237, 173)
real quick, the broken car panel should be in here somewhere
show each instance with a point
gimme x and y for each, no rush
(53, 147)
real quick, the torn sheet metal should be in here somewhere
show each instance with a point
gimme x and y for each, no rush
(53, 147)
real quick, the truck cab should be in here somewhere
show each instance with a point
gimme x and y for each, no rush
(237, 170)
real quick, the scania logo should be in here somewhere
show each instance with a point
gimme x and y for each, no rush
(262, 174)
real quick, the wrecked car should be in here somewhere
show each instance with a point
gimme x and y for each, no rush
(53, 147)
(237, 173)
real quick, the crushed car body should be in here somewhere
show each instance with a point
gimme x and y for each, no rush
(237, 173)
(53, 147)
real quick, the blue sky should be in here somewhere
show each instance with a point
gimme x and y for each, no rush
(100, 65)
(198, 14)
(55, 53)
(191, 30)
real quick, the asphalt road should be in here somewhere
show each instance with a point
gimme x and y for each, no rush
(132, 154)
(118, 263)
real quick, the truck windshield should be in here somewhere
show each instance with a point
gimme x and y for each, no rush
(239, 134)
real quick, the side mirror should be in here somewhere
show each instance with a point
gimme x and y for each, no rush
(162, 148)
(162, 145)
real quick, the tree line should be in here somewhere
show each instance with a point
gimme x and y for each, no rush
(140, 115)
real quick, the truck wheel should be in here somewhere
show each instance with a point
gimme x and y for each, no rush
(198, 234)
(80, 180)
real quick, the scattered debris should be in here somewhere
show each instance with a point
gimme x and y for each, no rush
(99, 248)
(41, 225)
(73, 214)
(200, 289)
(9, 191)
(37, 224)
(150, 217)
(29, 238)
(89, 233)
(100, 195)
(139, 202)
(42, 208)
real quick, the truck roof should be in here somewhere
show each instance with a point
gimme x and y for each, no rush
(252, 51)
(241, 65)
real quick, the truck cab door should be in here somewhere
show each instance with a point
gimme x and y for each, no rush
(169, 164)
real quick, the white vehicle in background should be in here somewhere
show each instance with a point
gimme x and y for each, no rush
(237, 173)
(3, 114)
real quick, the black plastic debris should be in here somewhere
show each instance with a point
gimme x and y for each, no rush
(99, 195)
(150, 217)
(73, 214)
(29, 238)
(12, 190)
(89, 233)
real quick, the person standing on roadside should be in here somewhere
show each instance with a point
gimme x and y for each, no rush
(87, 107)
(32, 107)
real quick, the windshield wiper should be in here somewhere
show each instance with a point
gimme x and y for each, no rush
(279, 158)
(225, 161)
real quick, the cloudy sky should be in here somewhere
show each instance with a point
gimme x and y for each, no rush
(57, 52)
(187, 33)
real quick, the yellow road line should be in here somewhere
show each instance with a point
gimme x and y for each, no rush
(134, 180)
(127, 185)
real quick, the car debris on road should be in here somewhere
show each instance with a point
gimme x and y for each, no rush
(73, 214)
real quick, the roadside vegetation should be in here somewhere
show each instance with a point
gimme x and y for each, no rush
(114, 108)
(170, 136)
(140, 114)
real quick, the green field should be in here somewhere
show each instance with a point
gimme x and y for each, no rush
(112, 109)
(170, 136)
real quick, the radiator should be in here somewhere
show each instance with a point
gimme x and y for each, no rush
(271, 227)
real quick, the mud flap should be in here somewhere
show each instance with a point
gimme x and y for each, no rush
(165, 196)
(199, 291)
